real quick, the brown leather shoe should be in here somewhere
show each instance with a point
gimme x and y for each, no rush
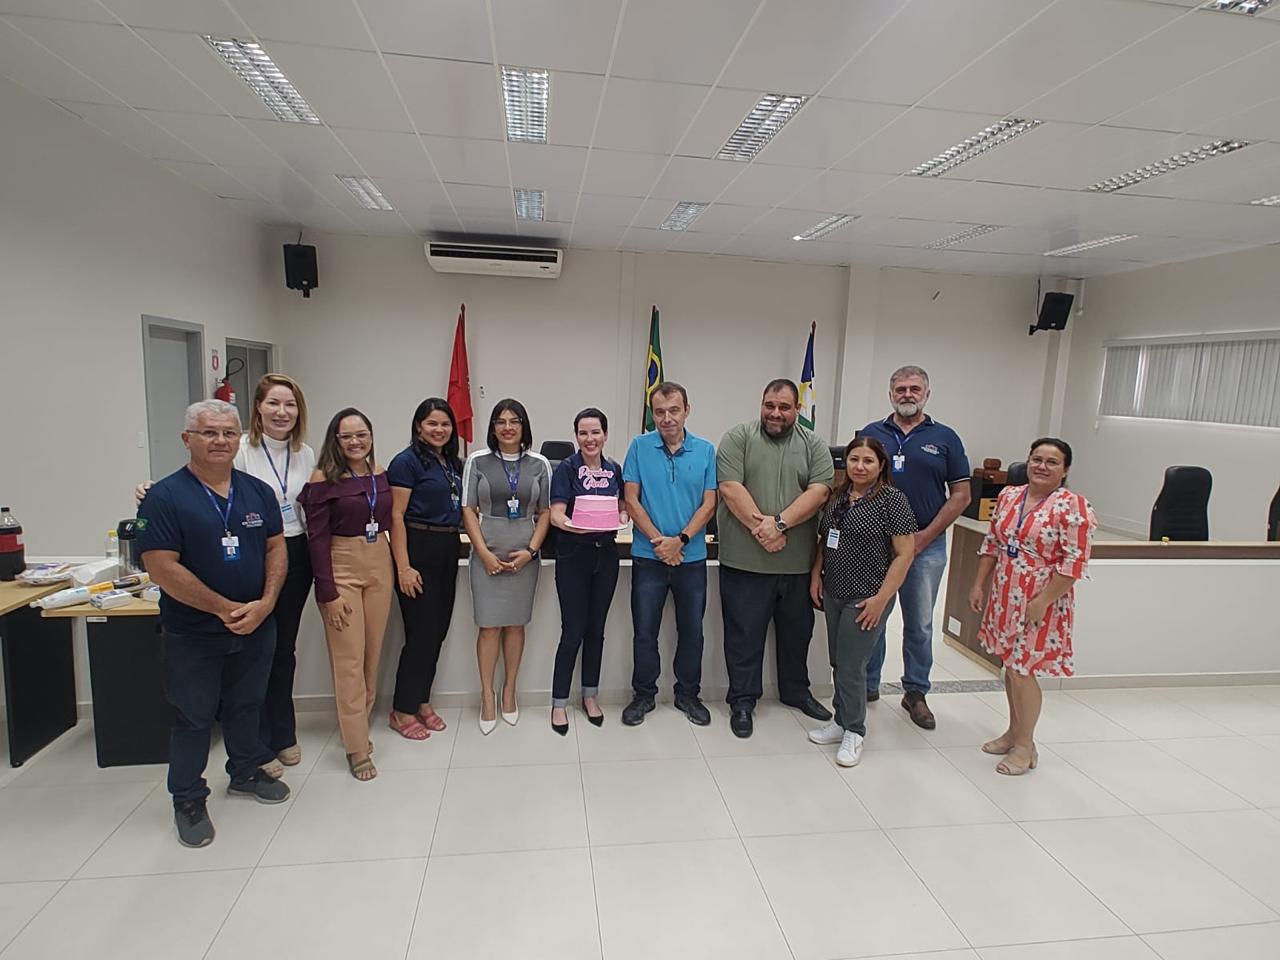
(921, 715)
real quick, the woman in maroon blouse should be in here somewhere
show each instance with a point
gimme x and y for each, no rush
(348, 508)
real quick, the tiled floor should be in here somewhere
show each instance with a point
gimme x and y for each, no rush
(1150, 830)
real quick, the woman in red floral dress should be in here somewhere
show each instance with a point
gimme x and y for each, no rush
(1038, 547)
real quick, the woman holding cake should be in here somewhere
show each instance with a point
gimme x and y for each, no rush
(585, 507)
(426, 512)
(505, 492)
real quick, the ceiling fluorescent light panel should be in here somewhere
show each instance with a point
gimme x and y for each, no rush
(683, 214)
(828, 226)
(761, 125)
(1216, 148)
(366, 193)
(529, 204)
(989, 138)
(1247, 7)
(526, 94)
(980, 230)
(1090, 245)
(251, 64)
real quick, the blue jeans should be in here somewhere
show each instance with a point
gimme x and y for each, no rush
(917, 595)
(650, 582)
(201, 673)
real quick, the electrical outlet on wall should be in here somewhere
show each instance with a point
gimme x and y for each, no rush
(481, 392)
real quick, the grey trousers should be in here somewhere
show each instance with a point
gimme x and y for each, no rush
(850, 647)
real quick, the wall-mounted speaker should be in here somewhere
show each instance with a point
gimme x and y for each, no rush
(300, 268)
(1054, 312)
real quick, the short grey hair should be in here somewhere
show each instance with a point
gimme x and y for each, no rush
(909, 371)
(211, 408)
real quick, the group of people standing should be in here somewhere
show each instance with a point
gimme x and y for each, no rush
(244, 530)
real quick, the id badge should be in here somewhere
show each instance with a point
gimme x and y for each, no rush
(1012, 551)
(899, 463)
(371, 532)
(833, 539)
(455, 499)
(287, 512)
(230, 549)
(513, 508)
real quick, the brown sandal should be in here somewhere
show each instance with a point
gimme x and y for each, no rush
(1015, 770)
(359, 768)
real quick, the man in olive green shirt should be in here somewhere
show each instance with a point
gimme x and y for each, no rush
(774, 477)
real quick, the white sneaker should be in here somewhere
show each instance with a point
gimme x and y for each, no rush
(827, 733)
(850, 751)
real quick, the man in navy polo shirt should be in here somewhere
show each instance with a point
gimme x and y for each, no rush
(928, 464)
(669, 479)
(212, 538)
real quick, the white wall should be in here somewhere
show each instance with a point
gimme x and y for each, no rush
(970, 333)
(378, 333)
(93, 236)
(1120, 463)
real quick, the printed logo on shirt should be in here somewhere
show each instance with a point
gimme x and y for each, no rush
(140, 524)
(252, 520)
(593, 479)
(931, 448)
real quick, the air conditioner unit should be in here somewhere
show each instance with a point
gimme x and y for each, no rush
(493, 260)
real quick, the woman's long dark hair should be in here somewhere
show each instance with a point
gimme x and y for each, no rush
(424, 450)
(526, 430)
(876, 447)
(331, 461)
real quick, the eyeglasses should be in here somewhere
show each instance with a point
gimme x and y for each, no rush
(513, 422)
(360, 437)
(211, 435)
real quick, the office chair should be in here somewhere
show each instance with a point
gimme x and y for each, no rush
(1181, 511)
(557, 450)
(1017, 473)
(837, 457)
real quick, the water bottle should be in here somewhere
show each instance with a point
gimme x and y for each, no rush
(13, 556)
(112, 551)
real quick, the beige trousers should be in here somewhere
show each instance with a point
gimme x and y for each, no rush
(365, 578)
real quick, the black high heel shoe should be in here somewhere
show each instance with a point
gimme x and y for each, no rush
(596, 721)
(561, 728)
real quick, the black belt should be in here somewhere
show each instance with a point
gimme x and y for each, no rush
(430, 528)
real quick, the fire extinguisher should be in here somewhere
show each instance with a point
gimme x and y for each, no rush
(224, 391)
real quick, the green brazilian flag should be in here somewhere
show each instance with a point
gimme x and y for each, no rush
(652, 371)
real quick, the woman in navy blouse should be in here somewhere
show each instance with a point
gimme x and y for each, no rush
(586, 567)
(426, 512)
(348, 508)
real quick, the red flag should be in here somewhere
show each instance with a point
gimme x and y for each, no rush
(460, 380)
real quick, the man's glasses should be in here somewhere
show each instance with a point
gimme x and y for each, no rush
(211, 435)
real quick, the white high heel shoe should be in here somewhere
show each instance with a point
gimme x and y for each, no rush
(487, 726)
(513, 717)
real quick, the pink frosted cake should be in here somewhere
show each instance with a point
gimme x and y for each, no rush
(595, 513)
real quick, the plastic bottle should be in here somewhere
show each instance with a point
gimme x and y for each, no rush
(112, 551)
(13, 555)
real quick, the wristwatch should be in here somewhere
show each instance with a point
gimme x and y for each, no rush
(535, 554)
(684, 537)
(779, 524)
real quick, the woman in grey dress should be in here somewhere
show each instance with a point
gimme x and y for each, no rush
(505, 496)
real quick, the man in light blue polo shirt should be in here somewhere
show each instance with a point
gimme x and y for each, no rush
(669, 480)
(928, 464)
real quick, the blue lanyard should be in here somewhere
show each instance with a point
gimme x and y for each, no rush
(231, 496)
(284, 481)
(373, 500)
(1015, 540)
(513, 483)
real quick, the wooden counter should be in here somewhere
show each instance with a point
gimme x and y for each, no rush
(137, 607)
(14, 595)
